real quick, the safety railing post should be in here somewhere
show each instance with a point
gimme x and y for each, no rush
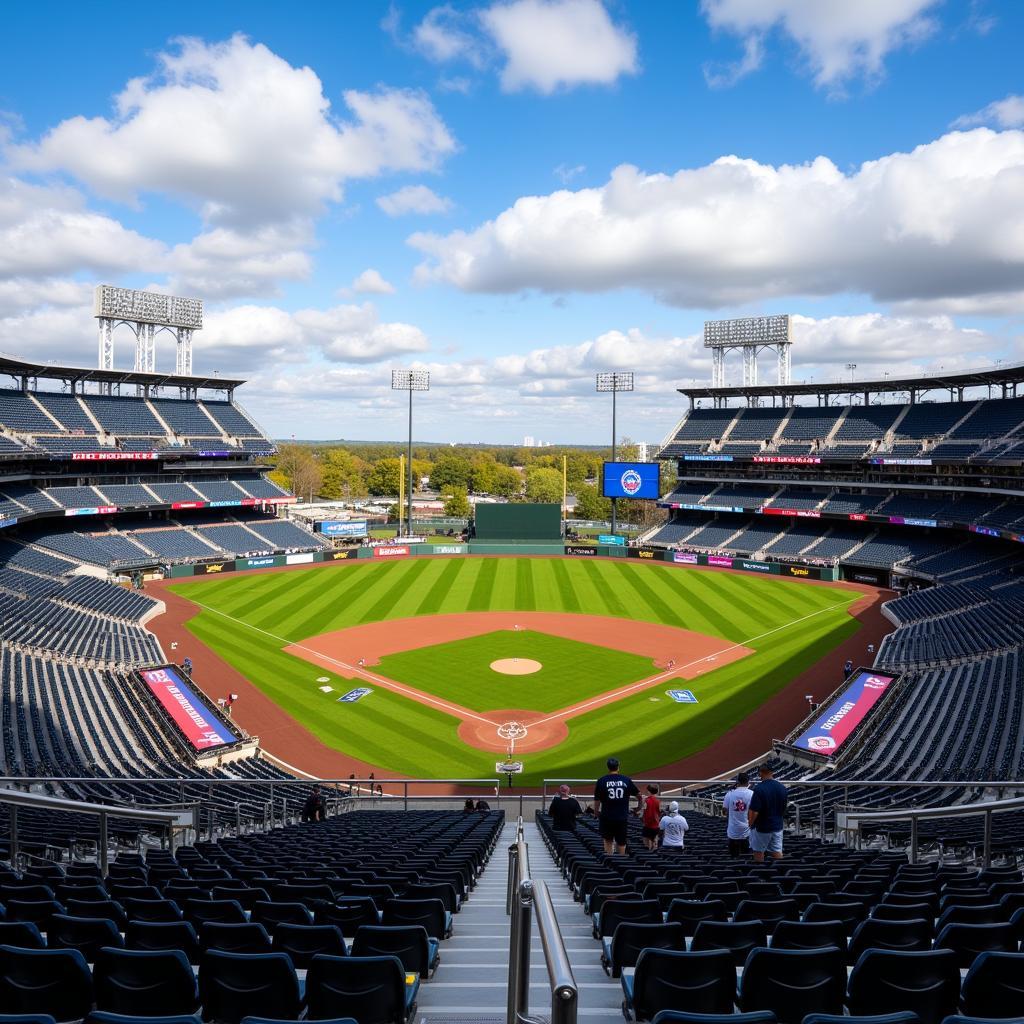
(405, 796)
(988, 839)
(103, 852)
(238, 820)
(913, 839)
(513, 876)
(14, 836)
(821, 813)
(519, 979)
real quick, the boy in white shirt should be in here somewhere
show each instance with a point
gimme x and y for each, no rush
(736, 804)
(673, 828)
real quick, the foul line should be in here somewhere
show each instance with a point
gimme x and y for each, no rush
(572, 711)
(388, 684)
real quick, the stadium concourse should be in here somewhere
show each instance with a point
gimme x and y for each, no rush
(231, 908)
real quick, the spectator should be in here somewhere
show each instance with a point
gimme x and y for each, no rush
(564, 811)
(871, 648)
(651, 819)
(673, 829)
(313, 809)
(482, 806)
(469, 807)
(847, 669)
(611, 803)
(351, 783)
(736, 804)
(187, 666)
(765, 816)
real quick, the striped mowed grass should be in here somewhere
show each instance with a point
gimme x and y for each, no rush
(249, 618)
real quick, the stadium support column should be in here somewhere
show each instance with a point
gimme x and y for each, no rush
(410, 380)
(619, 380)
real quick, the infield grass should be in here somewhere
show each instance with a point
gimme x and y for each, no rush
(249, 618)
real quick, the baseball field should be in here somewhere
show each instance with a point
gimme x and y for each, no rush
(651, 662)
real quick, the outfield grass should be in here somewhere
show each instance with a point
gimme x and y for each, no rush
(460, 670)
(790, 625)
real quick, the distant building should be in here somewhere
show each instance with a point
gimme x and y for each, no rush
(528, 441)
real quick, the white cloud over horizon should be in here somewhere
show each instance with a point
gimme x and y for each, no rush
(413, 199)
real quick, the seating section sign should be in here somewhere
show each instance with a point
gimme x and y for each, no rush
(197, 723)
(838, 721)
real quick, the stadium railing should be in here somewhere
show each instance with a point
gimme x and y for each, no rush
(851, 822)
(171, 823)
(527, 898)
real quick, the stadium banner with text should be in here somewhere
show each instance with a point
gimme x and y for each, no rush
(301, 559)
(581, 550)
(196, 722)
(611, 539)
(110, 456)
(792, 460)
(340, 556)
(707, 458)
(261, 562)
(102, 510)
(188, 504)
(213, 568)
(341, 527)
(631, 480)
(391, 551)
(685, 558)
(800, 513)
(235, 503)
(443, 549)
(801, 572)
(650, 554)
(836, 723)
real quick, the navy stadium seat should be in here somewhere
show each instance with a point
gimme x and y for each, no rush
(130, 981)
(887, 981)
(792, 983)
(237, 985)
(703, 982)
(53, 981)
(373, 990)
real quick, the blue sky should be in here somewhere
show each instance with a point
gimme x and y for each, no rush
(515, 195)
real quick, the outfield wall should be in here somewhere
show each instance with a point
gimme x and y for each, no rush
(387, 552)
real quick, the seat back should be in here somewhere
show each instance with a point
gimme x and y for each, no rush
(237, 985)
(369, 989)
(614, 912)
(271, 915)
(877, 933)
(888, 981)
(132, 981)
(970, 940)
(155, 936)
(792, 983)
(349, 914)
(24, 934)
(850, 912)
(702, 982)
(768, 912)
(631, 939)
(200, 912)
(302, 942)
(429, 913)
(53, 981)
(809, 935)
(689, 913)
(87, 934)
(250, 937)
(407, 942)
(994, 983)
(739, 937)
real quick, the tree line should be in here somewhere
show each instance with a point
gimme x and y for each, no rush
(346, 472)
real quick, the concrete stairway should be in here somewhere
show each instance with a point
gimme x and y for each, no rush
(472, 981)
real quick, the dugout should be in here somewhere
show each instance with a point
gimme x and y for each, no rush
(517, 523)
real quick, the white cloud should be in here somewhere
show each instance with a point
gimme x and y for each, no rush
(942, 222)
(838, 40)
(556, 44)
(564, 173)
(263, 145)
(47, 231)
(355, 334)
(413, 199)
(444, 35)
(371, 282)
(1005, 113)
(25, 294)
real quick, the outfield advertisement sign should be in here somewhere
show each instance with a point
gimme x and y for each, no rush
(753, 566)
(651, 554)
(720, 561)
(391, 551)
(214, 568)
(261, 563)
(102, 510)
(341, 527)
(684, 557)
(580, 549)
(303, 559)
(611, 540)
(339, 556)
(197, 723)
(838, 721)
(448, 549)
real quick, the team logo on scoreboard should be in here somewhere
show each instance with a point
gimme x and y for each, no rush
(631, 481)
(821, 743)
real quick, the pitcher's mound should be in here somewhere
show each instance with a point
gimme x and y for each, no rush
(516, 666)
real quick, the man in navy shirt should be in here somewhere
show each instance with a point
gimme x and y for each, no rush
(767, 810)
(611, 802)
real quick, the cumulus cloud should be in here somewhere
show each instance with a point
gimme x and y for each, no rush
(413, 199)
(263, 144)
(554, 44)
(48, 231)
(837, 41)
(445, 34)
(942, 222)
(371, 282)
(1005, 113)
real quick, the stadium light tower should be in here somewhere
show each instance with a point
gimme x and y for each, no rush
(410, 380)
(616, 381)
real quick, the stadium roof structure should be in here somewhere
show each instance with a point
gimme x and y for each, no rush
(23, 369)
(1005, 378)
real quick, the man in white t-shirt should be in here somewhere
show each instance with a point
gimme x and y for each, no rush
(736, 804)
(673, 828)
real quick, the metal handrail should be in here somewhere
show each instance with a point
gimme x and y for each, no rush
(853, 821)
(525, 897)
(170, 820)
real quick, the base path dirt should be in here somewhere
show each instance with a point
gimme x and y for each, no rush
(678, 653)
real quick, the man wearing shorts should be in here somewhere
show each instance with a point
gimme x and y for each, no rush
(765, 817)
(651, 818)
(736, 804)
(611, 802)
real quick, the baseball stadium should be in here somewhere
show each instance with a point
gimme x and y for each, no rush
(746, 746)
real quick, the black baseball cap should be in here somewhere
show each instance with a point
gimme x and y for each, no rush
(613, 764)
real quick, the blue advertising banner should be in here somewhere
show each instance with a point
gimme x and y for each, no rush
(681, 696)
(353, 695)
(343, 527)
(631, 480)
(611, 539)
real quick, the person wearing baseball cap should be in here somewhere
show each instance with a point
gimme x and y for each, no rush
(766, 815)
(564, 810)
(673, 829)
(611, 801)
